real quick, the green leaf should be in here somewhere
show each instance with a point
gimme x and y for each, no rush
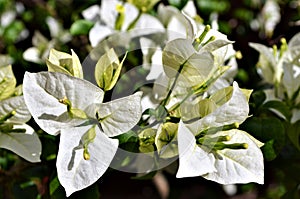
(269, 151)
(178, 3)
(266, 129)
(81, 27)
(28, 146)
(293, 132)
(7, 82)
(54, 185)
(279, 106)
(258, 98)
(130, 136)
(12, 31)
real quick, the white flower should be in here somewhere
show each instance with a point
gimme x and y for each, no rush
(207, 149)
(281, 67)
(73, 107)
(115, 16)
(42, 46)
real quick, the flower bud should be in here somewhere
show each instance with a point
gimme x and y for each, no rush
(7, 116)
(86, 154)
(64, 63)
(121, 16)
(108, 69)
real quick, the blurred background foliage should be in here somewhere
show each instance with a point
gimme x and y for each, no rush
(41, 25)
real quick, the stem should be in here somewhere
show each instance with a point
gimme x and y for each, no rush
(7, 116)
(164, 102)
(132, 24)
(197, 91)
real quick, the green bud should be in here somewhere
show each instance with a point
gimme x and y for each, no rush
(169, 130)
(6, 128)
(274, 50)
(73, 112)
(213, 130)
(64, 63)
(212, 38)
(212, 141)
(147, 140)
(200, 39)
(121, 16)
(66, 102)
(86, 139)
(221, 146)
(4, 79)
(147, 137)
(7, 116)
(86, 154)
(238, 55)
(283, 46)
(108, 69)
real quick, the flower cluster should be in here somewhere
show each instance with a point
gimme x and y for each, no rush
(280, 68)
(191, 112)
(15, 134)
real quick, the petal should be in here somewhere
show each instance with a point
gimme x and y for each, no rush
(235, 110)
(131, 13)
(32, 54)
(108, 12)
(91, 13)
(147, 25)
(291, 79)
(176, 53)
(43, 90)
(267, 63)
(98, 33)
(120, 115)
(15, 104)
(7, 82)
(76, 173)
(238, 166)
(76, 65)
(193, 160)
(26, 145)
